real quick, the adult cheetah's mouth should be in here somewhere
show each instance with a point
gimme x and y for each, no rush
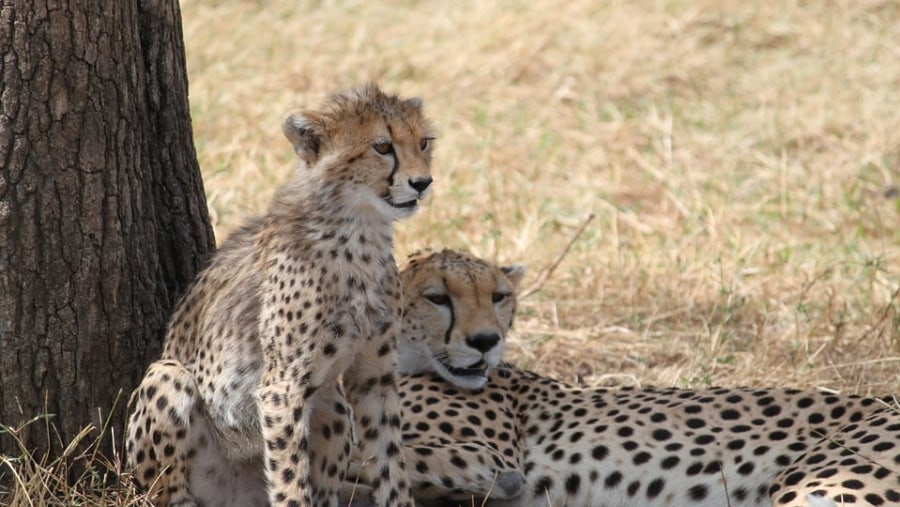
(474, 370)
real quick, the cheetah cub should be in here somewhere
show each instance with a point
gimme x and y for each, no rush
(247, 405)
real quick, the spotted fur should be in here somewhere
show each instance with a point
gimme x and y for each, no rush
(474, 303)
(643, 447)
(247, 405)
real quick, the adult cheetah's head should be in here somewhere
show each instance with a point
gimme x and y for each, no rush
(371, 150)
(457, 310)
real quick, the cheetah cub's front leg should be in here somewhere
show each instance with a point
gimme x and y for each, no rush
(372, 389)
(330, 295)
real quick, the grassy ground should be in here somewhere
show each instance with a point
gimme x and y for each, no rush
(740, 160)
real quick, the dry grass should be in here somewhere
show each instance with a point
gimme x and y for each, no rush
(740, 158)
(80, 475)
(741, 161)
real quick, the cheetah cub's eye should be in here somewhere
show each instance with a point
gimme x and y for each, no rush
(383, 147)
(499, 296)
(438, 299)
(425, 143)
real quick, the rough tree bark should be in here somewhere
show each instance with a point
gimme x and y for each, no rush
(103, 219)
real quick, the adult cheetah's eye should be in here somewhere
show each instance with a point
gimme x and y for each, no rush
(425, 142)
(438, 299)
(383, 147)
(499, 296)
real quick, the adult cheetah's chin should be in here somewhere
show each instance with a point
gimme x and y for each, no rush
(472, 377)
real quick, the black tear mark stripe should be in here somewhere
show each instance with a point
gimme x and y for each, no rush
(452, 315)
(394, 153)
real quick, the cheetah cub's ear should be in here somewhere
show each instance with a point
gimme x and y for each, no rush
(304, 130)
(415, 102)
(514, 273)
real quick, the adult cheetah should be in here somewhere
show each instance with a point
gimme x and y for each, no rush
(619, 447)
(247, 404)
(440, 467)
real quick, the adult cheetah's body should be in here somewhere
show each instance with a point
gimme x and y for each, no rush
(664, 447)
(627, 447)
(247, 404)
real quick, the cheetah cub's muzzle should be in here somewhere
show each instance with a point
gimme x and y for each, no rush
(410, 179)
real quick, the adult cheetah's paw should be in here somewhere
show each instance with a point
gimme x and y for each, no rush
(508, 485)
(818, 501)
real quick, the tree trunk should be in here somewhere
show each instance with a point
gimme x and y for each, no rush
(103, 219)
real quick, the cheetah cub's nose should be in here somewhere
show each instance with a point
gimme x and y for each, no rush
(420, 184)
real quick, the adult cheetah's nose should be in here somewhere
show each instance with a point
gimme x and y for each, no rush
(483, 342)
(420, 184)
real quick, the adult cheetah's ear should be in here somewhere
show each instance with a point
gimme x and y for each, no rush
(514, 273)
(420, 254)
(304, 131)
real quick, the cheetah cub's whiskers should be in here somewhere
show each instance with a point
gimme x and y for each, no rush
(285, 343)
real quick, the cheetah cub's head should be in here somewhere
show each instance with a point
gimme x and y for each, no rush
(365, 150)
(457, 311)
